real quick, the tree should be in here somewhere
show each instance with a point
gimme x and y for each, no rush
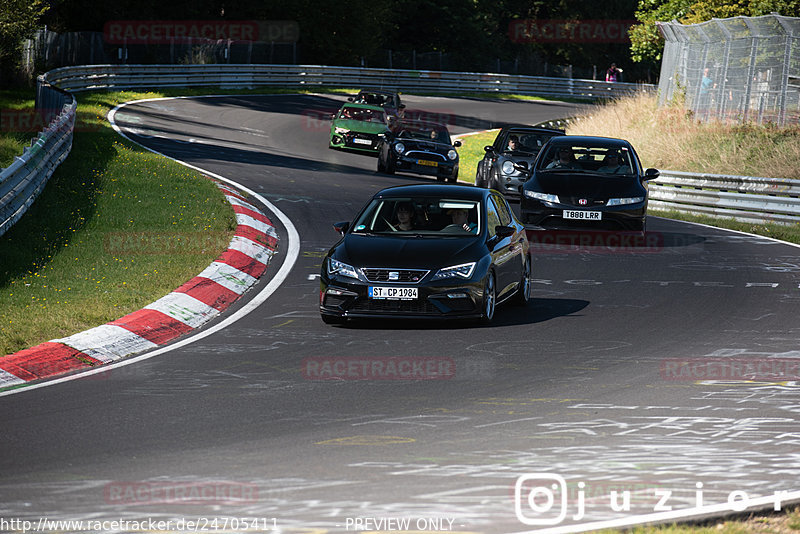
(646, 41)
(18, 20)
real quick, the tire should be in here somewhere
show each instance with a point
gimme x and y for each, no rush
(494, 183)
(332, 319)
(489, 299)
(522, 296)
(454, 177)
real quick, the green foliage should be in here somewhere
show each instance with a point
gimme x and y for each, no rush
(646, 41)
(18, 20)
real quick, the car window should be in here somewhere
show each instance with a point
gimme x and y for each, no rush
(526, 141)
(502, 210)
(492, 218)
(609, 159)
(423, 216)
(416, 131)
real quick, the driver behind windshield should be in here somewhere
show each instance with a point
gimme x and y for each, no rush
(564, 160)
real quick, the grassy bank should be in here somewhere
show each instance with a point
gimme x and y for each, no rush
(116, 228)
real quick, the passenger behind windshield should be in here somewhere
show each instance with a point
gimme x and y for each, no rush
(613, 164)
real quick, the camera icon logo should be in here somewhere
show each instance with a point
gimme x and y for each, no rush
(536, 494)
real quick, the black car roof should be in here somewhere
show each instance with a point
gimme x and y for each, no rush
(421, 124)
(588, 140)
(533, 129)
(377, 92)
(466, 192)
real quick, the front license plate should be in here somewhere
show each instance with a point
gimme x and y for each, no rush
(428, 163)
(583, 215)
(393, 293)
(362, 141)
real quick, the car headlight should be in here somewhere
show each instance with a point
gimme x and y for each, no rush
(452, 154)
(623, 201)
(507, 167)
(544, 197)
(456, 271)
(399, 148)
(337, 267)
(341, 130)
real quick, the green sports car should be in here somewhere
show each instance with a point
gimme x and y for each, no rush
(358, 127)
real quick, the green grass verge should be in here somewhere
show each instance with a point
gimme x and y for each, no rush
(471, 152)
(116, 228)
(15, 106)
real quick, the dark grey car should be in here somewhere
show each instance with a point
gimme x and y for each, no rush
(500, 167)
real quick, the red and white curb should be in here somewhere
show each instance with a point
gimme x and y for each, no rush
(188, 307)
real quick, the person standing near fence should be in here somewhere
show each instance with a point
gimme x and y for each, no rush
(612, 74)
(706, 85)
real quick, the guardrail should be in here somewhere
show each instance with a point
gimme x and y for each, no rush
(23, 180)
(307, 76)
(744, 198)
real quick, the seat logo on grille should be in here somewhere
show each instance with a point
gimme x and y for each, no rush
(394, 275)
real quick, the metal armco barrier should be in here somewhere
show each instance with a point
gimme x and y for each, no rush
(744, 198)
(23, 180)
(308, 76)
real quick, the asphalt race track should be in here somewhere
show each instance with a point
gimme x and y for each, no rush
(587, 388)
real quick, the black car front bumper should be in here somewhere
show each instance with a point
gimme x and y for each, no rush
(630, 217)
(446, 299)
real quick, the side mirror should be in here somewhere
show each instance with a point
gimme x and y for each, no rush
(401, 106)
(457, 144)
(333, 116)
(504, 231)
(521, 166)
(488, 148)
(651, 174)
(341, 227)
(350, 98)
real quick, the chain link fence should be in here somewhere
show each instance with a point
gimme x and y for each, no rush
(741, 69)
(47, 50)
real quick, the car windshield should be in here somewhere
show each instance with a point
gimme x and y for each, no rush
(375, 99)
(428, 133)
(420, 216)
(524, 141)
(362, 114)
(596, 159)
